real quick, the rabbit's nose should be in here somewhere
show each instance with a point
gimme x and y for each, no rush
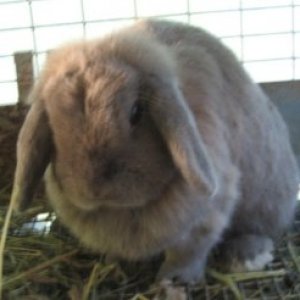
(111, 169)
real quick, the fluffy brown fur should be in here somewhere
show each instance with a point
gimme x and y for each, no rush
(208, 160)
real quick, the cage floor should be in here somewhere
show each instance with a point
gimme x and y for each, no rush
(42, 261)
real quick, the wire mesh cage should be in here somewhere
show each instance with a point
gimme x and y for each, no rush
(254, 30)
(42, 259)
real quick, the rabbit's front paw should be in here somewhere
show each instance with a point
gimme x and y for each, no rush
(188, 272)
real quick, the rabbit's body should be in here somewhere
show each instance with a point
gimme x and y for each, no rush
(209, 162)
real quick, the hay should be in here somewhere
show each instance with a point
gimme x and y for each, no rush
(51, 264)
(3, 241)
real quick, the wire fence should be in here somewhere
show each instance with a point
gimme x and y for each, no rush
(264, 34)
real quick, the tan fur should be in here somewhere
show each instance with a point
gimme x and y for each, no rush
(210, 158)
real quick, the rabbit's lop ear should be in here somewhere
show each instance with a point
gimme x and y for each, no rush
(33, 155)
(178, 128)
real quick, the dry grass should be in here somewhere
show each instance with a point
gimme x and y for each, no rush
(52, 265)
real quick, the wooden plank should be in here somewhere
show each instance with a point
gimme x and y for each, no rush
(25, 75)
(286, 95)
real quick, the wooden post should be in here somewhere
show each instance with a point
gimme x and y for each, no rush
(25, 77)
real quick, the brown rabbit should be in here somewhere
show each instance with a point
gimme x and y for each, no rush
(155, 139)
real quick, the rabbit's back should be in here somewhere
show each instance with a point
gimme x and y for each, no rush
(228, 104)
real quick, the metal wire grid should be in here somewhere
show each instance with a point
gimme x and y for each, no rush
(188, 14)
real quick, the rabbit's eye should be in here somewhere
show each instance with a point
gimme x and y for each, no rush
(136, 113)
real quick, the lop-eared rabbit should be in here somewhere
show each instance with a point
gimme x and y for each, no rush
(154, 139)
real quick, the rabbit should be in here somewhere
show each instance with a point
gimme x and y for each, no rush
(154, 139)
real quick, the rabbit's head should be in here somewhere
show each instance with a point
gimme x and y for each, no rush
(111, 119)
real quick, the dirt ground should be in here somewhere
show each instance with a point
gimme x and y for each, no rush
(11, 119)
